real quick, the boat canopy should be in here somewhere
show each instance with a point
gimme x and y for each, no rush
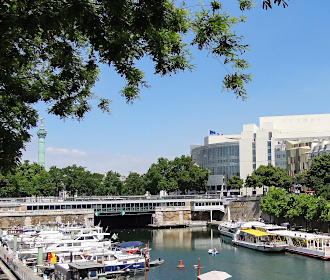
(256, 232)
(214, 275)
(130, 244)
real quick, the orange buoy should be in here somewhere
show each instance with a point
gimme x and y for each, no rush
(180, 265)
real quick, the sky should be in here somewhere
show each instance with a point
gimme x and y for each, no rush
(290, 64)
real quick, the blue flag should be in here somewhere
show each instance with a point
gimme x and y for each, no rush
(212, 132)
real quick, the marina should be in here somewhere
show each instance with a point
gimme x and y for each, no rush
(158, 249)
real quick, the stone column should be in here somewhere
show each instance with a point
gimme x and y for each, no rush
(181, 217)
(41, 144)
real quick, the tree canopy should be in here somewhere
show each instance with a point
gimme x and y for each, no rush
(269, 176)
(180, 174)
(50, 51)
(277, 202)
(234, 182)
(317, 177)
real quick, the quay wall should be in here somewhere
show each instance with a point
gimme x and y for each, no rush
(172, 216)
(28, 218)
(243, 210)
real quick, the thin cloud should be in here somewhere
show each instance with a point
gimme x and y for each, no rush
(64, 151)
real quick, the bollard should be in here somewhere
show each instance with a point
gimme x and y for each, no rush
(180, 265)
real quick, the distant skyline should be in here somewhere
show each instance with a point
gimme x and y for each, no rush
(289, 60)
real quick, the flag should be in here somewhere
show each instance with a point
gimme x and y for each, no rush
(212, 132)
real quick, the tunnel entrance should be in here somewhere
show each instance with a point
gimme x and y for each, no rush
(125, 221)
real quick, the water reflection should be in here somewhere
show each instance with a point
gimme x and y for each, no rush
(183, 239)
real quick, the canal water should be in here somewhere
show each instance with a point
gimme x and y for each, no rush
(189, 244)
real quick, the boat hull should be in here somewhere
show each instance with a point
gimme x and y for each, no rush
(226, 233)
(308, 252)
(261, 247)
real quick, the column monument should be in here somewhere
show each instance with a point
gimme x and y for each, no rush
(41, 143)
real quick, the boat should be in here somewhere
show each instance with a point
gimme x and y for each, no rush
(114, 262)
(308, 244)
(131, 247)
(83, 270)
(229, 228)
(259, 240)
(213, 251)
(156, 262)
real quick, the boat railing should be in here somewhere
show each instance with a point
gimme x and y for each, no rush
(16, 266)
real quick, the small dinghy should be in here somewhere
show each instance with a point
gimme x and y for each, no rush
(213, 252)
(156, 262)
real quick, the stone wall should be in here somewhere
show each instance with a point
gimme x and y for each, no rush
(28, 218)
(243, 211)
(172, 216)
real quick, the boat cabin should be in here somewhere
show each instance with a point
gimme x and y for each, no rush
(256, 236)
(78, 270)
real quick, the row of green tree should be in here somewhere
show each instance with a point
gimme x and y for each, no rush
(263, 176)
(180, 174)
(315, 207)
(280, 204)
(316, 178)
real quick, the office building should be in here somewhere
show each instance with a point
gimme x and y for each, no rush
(284, 141)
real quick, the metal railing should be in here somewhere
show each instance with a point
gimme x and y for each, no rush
(16, 266)
(105, 198)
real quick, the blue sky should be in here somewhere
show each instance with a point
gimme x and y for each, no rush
(290, 63)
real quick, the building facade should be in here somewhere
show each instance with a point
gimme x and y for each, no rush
(284, 141)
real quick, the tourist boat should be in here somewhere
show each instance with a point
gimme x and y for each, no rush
(259, 240)
(308, 244)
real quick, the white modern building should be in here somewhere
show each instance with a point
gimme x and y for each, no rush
(261, 144)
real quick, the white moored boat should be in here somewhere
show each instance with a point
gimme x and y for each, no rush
(229, 228)
(309, 244)
(259, 240)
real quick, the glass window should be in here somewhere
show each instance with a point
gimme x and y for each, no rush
(52, 207)
(29, 208)
(57, 207)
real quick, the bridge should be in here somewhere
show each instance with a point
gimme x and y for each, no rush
(160, 207)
